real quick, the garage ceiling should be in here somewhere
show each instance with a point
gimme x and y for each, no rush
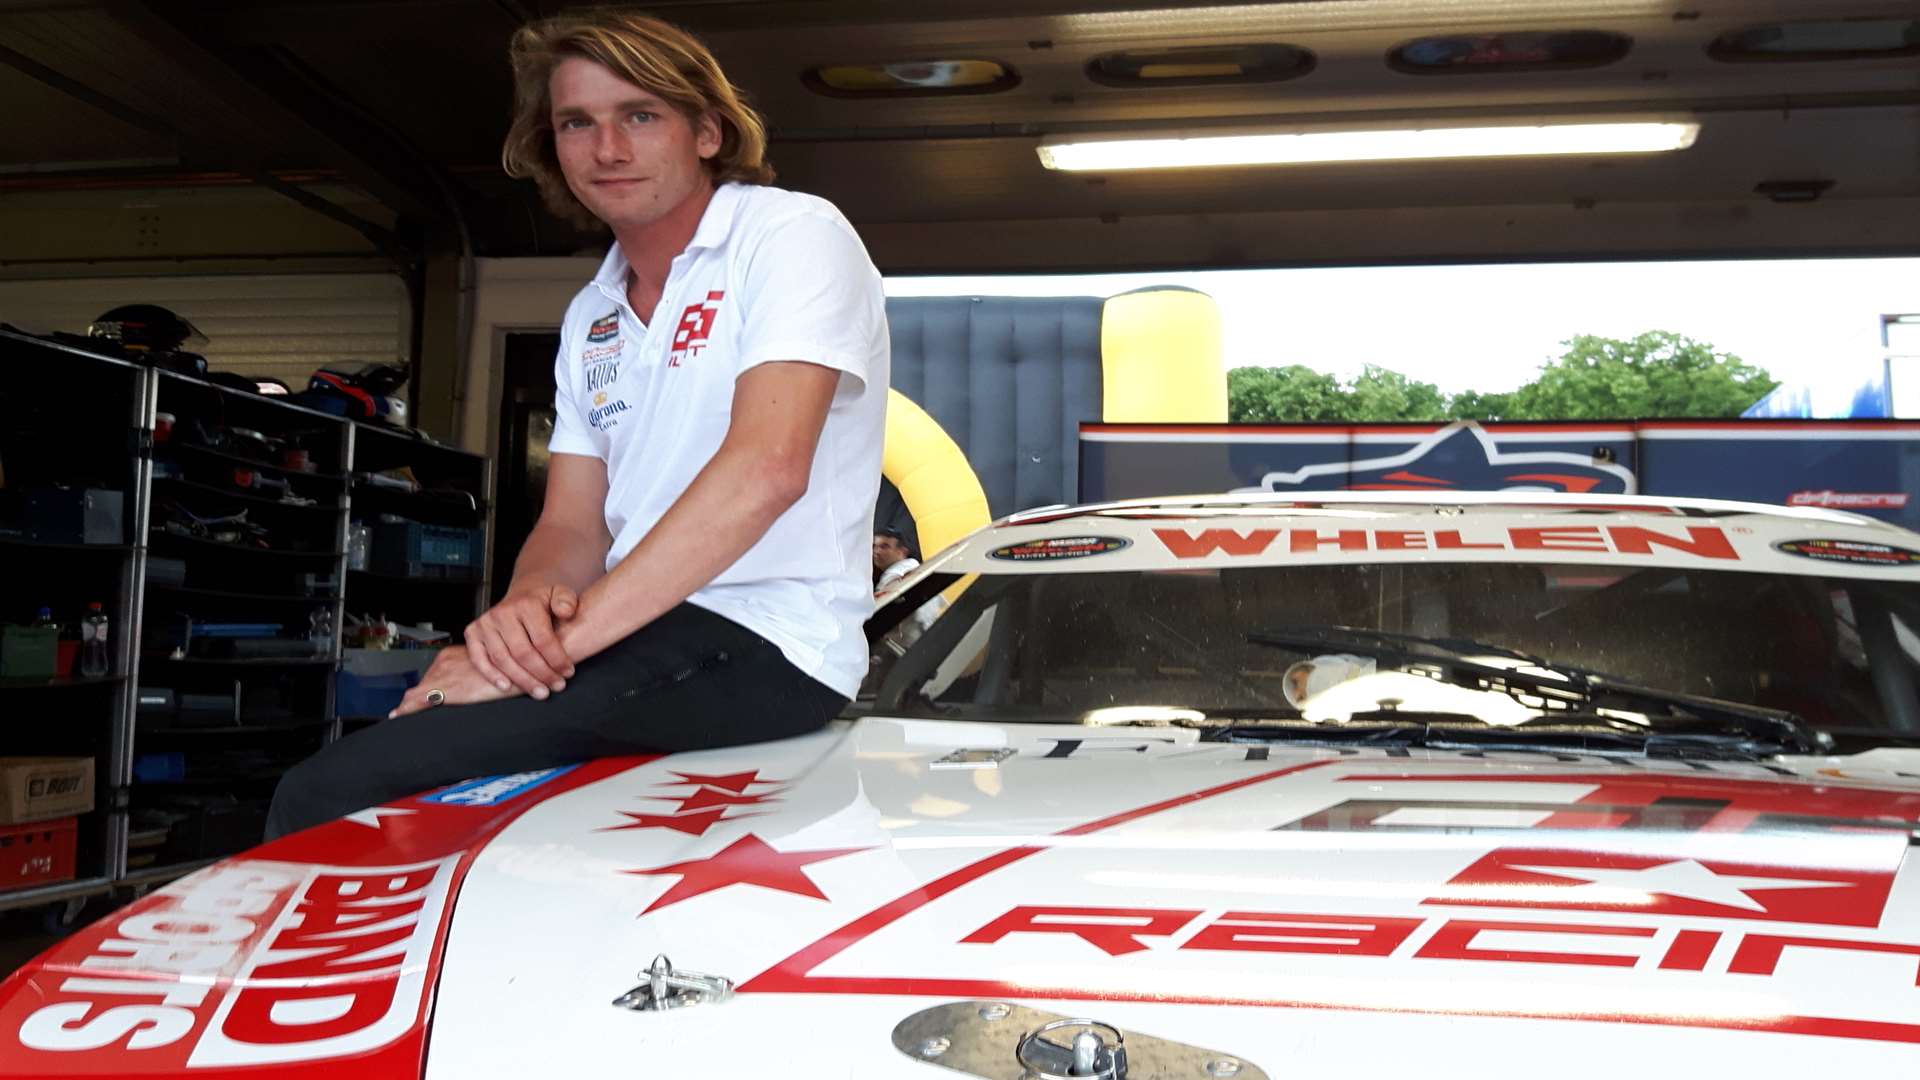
(393, 111)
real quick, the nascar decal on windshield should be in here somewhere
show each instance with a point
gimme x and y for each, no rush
(1853, 552)
(1059, 547)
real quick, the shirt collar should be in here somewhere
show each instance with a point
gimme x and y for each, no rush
(716, 224)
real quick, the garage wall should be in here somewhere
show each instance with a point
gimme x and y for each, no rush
(282, 326)
(510, 295)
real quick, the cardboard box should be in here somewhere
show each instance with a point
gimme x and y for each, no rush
(76, 515)
(40, 853)
(38, 788)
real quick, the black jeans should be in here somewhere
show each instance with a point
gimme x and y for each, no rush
(689, 680)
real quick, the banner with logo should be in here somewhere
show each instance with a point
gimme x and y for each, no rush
(1865, 466)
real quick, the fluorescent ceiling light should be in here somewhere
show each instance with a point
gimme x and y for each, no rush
(1415, 144)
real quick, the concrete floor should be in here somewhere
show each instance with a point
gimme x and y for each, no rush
(24, 934)
(21, 939)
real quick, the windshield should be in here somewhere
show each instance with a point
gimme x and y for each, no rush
(1839, 653)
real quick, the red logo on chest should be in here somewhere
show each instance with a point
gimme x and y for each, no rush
(690, 336)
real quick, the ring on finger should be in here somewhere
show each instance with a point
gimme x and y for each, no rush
(436, 697)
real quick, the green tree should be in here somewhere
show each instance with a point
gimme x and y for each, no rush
(1278, 395)
(1295, 394)
(1474, 405)
(1656, 374)
(1382, 394)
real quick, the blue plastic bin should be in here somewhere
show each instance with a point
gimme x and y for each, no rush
(371, 695)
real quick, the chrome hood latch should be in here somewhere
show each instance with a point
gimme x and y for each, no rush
(666, 988)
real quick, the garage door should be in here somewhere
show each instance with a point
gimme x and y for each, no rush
(282, 326)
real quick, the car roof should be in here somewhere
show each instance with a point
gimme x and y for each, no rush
(1468, 502)
(1198, 532)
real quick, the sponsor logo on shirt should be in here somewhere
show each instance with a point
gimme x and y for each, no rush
(600, 376)
(603, 411)
(696, 323)
(602, 350)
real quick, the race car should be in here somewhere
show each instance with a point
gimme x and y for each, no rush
(1370, 784)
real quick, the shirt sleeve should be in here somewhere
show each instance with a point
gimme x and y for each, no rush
(895, 572)
(570, 435)
(812, 294)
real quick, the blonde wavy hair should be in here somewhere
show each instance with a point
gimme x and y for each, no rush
(656, 56)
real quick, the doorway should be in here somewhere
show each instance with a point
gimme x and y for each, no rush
(525, 425)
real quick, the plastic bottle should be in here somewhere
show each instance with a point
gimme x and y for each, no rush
(359, 545)
(320, 630)
(95, 661)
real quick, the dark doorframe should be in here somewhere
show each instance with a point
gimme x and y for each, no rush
(525, 424)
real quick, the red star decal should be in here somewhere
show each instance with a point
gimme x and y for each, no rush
(746, 861)
(691, 824)
(734, 782)
(706, 797)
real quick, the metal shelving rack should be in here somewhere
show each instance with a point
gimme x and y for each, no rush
(356, 450)
(456, 491)
(51, 381)
(229, 769)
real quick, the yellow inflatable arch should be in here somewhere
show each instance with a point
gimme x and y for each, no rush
(935, 481)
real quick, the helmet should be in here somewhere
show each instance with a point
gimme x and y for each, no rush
(145, 328)
(359, 391)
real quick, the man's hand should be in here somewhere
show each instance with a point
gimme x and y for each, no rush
(597, 622)
(454, 675)
(513, 644)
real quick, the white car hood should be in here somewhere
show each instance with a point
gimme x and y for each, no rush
(1304, 912)
(1293, 912)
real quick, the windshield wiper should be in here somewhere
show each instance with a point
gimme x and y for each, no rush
(1563, 733)
(1557, 687)
(1688, 738)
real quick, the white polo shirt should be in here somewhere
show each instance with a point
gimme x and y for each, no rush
(770, 275)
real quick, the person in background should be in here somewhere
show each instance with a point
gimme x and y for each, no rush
(694, 579)
(893, 559)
